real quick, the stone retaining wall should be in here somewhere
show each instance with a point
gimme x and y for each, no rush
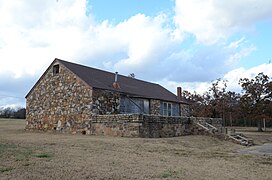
(217, 122)
(134, 125)
(124, 125)
(162, 126)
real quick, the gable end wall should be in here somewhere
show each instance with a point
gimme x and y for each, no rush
(59, 98)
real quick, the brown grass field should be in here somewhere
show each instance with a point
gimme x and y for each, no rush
(47, 155)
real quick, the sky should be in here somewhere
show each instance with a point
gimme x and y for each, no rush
(170, 42)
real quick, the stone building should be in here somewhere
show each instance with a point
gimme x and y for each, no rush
(69, 92)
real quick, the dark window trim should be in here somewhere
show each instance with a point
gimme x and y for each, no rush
(56, 69)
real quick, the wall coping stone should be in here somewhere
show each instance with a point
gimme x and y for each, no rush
(149, 118)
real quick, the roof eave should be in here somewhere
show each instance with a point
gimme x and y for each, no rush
(140, 96)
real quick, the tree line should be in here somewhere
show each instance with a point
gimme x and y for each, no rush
(17, 113)
(250, 108)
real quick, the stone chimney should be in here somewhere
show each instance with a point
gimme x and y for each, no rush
(115, 83)
(179, 93)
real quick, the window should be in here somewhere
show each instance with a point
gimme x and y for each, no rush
(134, 105)
(55, 69)
(167, 109)
(169, 112)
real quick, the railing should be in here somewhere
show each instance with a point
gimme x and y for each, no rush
(211, 126)
(207, 129)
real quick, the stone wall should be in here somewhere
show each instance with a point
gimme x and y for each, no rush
(147, 126)
(217, 122)
(184, 110)
(162, 126)
(58, 99)
(105, 102)
(155, 106)
(124, 125)
(131, 125)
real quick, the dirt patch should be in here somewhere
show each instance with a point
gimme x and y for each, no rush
(36, 155)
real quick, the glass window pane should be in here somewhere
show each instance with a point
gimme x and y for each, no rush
(169, 109)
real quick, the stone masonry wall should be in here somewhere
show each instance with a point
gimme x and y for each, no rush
(162, 126)
(155, 107)
(57, 100)
(105, 102)
(146, 126)
(131, 125)
(124, 125)
(184, 110)
(217, 122)
(196, 130)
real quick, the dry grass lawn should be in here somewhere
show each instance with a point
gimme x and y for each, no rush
(36, 155)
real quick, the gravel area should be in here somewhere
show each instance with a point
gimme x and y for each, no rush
(265, 149)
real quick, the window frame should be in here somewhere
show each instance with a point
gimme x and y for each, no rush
(167, 109)
(56, 69)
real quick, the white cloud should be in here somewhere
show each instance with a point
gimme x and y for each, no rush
(214, 20)
(30, 43)
(237, 56)
(234, 76)
(33, 33)
(237, 44)
(141, 44)
(198, 87)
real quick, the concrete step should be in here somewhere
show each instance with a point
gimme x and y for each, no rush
(238, 138)
(241, 139)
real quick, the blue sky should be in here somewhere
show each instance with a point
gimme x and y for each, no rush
(120, 10)
(170, 42)
(261, 38)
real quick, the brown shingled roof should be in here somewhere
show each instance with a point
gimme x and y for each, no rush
(103, 80)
